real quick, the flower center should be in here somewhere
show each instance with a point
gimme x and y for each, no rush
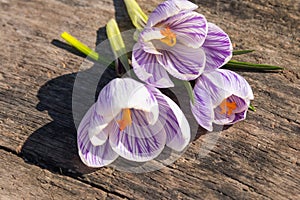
(126, 119)
(227, 107)
(170, 37)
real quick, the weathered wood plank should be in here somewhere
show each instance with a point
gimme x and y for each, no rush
(20, 180)
(257, 158)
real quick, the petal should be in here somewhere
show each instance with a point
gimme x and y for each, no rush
(95, 125)
(126, 93)
(167, 9)
(222, 119)
(183, 62)
(185, 5)
(145, 38)
(230, 82)
(149, 34)
(240, 116)
(241, 104)
(202, 108)
(135, 147)
(216, 92)
(93, 156)
(140, 126)
(190, 28)
(147, 69)
(175, 123)
(217, 47)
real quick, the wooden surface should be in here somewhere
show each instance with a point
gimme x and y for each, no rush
(256, 159)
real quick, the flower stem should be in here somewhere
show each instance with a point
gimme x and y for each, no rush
(189, 88)
(83, 48)
(241, 52)
(137, 16)
(117, 44)
(252, 108)
(232, 64)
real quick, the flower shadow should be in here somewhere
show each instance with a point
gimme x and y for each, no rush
(54, 145)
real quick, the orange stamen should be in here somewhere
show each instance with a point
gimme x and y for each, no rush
(227, 107)
(126, 119)
(170, 37)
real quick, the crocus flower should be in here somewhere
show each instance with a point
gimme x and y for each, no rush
(170, 42)
(179, 41)
(221, 97)
(133, 121)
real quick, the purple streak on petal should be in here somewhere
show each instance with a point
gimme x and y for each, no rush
(147, 69)
(222, 83)
(174, 121)
(168, 9)
(93, 156)
(136, 146)
(240, 116)
(202, 109)
(216, 93)
(235, 83)
(183, 62)
(190, 28)
(217, 47)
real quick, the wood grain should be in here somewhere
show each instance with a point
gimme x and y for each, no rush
(255, 159)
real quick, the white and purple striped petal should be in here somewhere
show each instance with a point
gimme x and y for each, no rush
(147, 69)
(137, 145)
(202, 108)
(190, 28)
(183, 62)
(93, 156)
(230, 82)
(167, 9)
(217, 47)
(175, 123)
(126, 93)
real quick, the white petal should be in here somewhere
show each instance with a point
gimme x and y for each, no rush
(126, 93)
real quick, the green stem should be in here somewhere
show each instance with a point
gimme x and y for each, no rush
(83, 48)
(189, 88)
(241, 52)
(232, 64)
(252, 108)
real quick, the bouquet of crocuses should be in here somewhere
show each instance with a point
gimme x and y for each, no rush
(132, 118)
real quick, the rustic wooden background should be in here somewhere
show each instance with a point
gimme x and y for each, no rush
(255, 159)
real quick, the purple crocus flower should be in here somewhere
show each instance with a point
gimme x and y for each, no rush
(178, 40)
(221, 97)
(131, 120)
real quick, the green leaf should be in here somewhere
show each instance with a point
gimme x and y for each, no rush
(83, 48)
(117, 43)
(137, 16)
(232, 64)
(241, 52)
(252, 108)
(189, 89)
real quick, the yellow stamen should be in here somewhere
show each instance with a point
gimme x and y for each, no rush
(170, 37)
(126, 119)
(227, 107)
